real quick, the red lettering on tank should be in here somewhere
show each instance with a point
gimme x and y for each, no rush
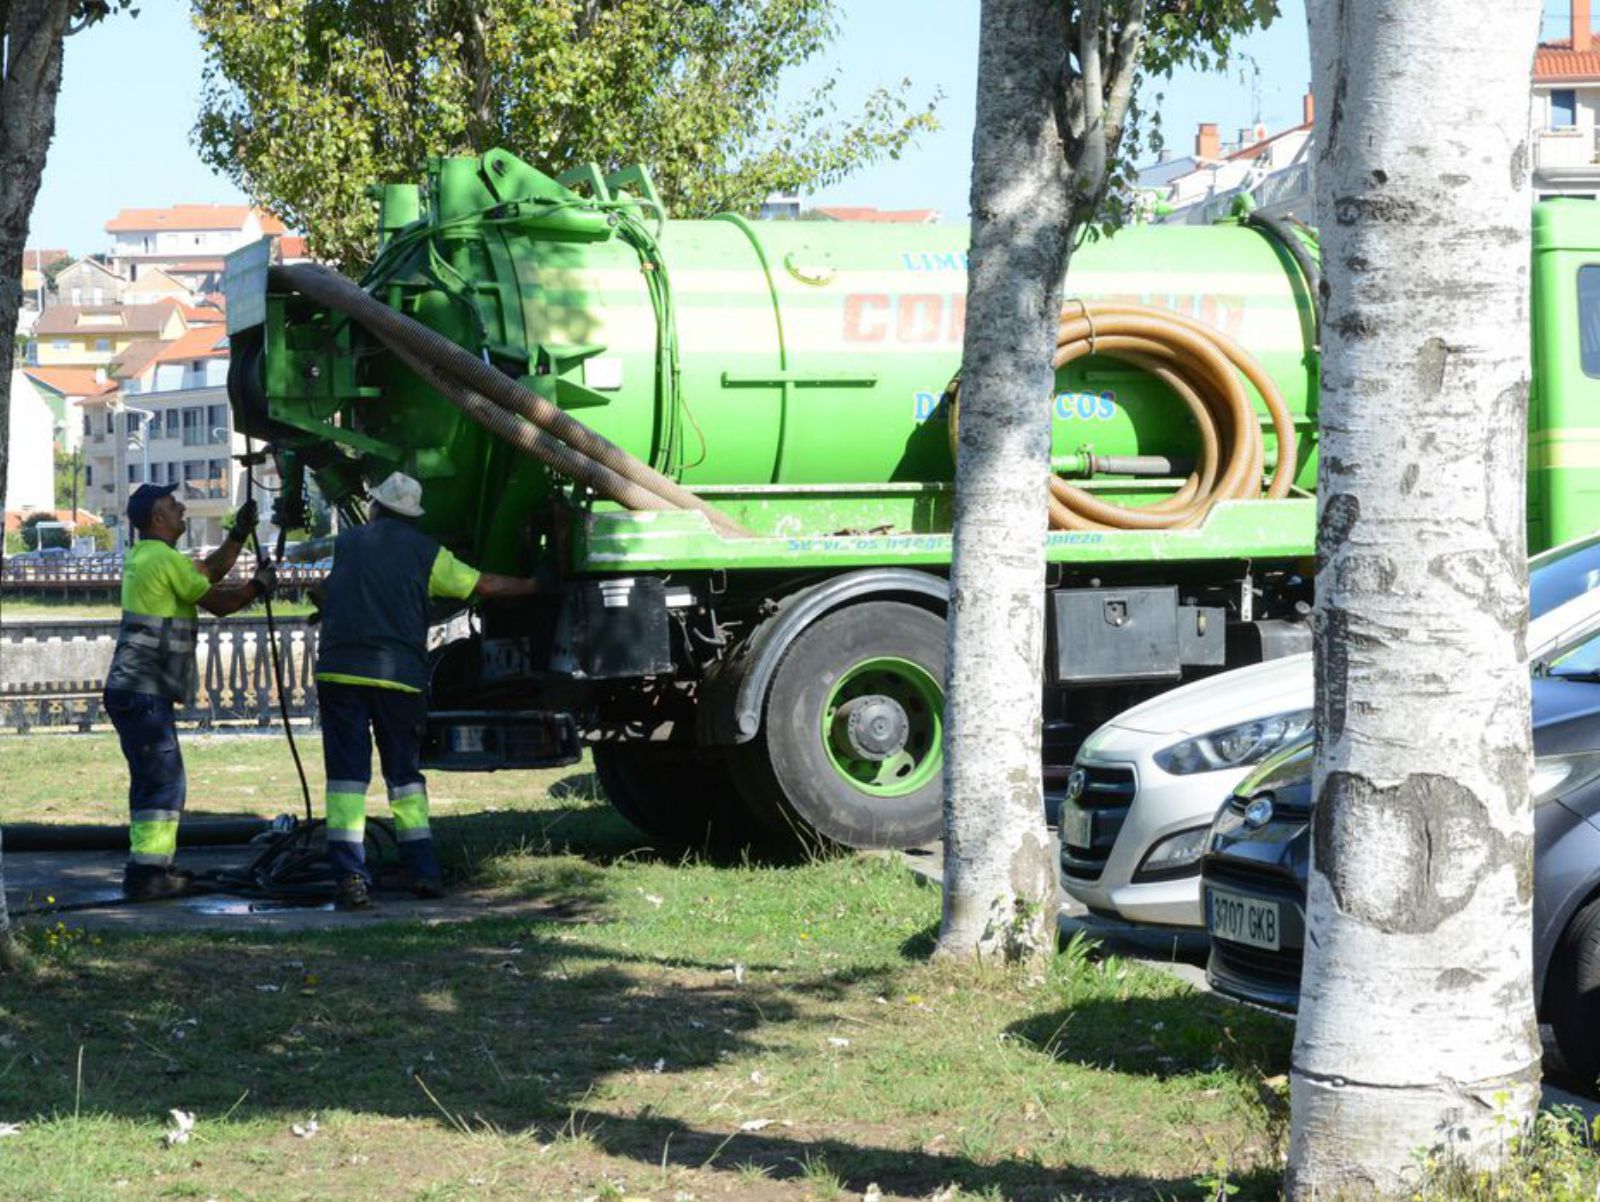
(957, 328)
(866, 317)
(918, 317)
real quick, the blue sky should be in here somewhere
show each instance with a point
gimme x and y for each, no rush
(131, 90)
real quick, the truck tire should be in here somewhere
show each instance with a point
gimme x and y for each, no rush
(850, 745)
(679, 796)
(1574, 994)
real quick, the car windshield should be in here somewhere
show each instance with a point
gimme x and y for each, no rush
(1562, 573)
(1577, 659)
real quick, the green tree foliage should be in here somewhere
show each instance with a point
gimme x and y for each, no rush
(308, 101)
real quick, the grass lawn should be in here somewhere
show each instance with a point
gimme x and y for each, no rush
(684, 1031)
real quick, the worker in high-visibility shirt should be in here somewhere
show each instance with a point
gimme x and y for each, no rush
(153, 669)
(372, 668)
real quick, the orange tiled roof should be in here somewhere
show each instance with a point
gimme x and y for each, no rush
(64, 319)
(70, 381)
(292, 246)
(202, 315)
(191, 217)
(136, 357)
(1558, 61)
(14, 517)
(199, 343)
(40, 258)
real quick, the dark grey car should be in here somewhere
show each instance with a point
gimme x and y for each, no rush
(1253, 875)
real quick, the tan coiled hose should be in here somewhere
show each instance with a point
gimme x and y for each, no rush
(1202, 366)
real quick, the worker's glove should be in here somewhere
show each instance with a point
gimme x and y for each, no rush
(244, 522)
(265, 579)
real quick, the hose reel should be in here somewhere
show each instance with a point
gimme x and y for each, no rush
(1202, 366)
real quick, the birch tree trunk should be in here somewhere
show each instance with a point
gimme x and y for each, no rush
(999, 883)
(1416, 1030)
(31, 39)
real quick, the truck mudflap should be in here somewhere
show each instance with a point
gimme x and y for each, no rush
(486, 740)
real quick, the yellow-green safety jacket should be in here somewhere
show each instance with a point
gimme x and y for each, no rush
(155, 645)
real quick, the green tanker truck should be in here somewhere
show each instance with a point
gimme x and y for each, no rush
(726, 446)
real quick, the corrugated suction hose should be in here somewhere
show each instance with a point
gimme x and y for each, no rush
(1202, 366)
(563, 443)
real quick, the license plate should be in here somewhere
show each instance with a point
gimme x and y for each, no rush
(1077, 826)
(1240, 919)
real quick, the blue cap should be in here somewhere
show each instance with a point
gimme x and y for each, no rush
(144, 500)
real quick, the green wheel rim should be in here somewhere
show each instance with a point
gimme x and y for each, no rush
(919, 696)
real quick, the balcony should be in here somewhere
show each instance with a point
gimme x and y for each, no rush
(1565, 158)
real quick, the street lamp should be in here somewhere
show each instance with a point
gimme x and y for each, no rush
(149, 416)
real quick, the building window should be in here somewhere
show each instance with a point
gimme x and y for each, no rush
(1589, 319)
(61, 344)
(133, 472)
(111, 422)
(219, 423)
(86, 425)
(99, 296)
(1563, 108)
(194, 433)
(88, 475)
(102, 344)
(219, 478)
(77, 296)
(172, 472)
(194, 478)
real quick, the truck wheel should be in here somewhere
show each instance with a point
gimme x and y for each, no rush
(851, 743)
(678, 796)
(1574, 994)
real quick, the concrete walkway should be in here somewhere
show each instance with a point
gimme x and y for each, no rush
(84, 889)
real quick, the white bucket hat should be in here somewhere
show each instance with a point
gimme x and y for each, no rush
(399, 493)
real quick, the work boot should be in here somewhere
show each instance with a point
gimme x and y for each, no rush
(429, 887)
(351, 893)
(155, 882)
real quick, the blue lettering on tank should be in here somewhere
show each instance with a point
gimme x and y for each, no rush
(1085, 406)
(934, 261)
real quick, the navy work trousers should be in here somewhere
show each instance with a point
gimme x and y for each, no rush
(353, 717)
(157, 786)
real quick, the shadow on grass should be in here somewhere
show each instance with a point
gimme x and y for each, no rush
(496, 1027)
(1162, 1037)
(655, 1141)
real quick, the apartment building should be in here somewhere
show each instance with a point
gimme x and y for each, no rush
(187, 241)
(169, 423)
(94, 335)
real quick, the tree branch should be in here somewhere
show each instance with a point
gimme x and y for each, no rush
(1089, 166)
(1124, 67)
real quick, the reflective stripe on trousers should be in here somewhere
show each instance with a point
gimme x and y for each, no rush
(157, 783)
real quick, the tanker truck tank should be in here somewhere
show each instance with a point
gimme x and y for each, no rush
(770, 409)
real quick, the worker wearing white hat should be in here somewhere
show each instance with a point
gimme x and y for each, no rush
(372, 670)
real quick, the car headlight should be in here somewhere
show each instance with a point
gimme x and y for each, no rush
(1173, 855)
(1555, 775)
(1233, 746)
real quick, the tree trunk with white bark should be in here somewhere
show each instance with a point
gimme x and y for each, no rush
(31, 39)
(1416, 1034)
(999, 883)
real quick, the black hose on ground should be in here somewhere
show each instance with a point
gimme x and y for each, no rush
(45, 836)
(405, 336)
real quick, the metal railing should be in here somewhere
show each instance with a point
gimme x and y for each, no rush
(236, 683)
(103, 571)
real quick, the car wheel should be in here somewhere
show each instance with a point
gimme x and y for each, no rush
(1574, 994)
(679, 796)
